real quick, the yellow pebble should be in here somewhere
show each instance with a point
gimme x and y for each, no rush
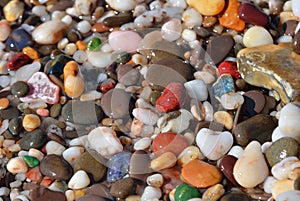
(164, 161)
(73, 83)
(207, 7)
(282, 186)
(31, 122)
(4, 103)
(224, 118)
(32, 53)
(188, 154)
(81, 45)
(78, 194)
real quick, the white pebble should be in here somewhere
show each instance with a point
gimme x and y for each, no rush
(4, 81)
(39, 10)
(79, 180)
(268, 184)
(192, 18)
(150, 193)
(90, 96)
(84, 7)
(176, 3)
(4, 191)
(208, 111)
(282, 169)
(287, 6)
(84, 26)
(80, 56)
(26, 71)
(62, 43)
(145, 115)
(20, 176)
(70, 195)
(171, 30)
(99, 59)
(277, 134)
(256, 36)
(296, 7)
(236, 151)
(36, 153)
(285, 39)
(72, 153)
(17, 165)
(207, 77)
(53, 147)
(15, 184)
(142, 144)
(155, 5)
(155, 180)
(122, 5)
(57, 15)
(67, 19)
(189, 35)
(231, 100)
(290, 195)
(22, 197)
(197, 89)
(70, 48)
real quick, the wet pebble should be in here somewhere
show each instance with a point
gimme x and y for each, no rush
(212, 8)
(5, 30)
(251, 14)
(123, 188)
(39, 192)
(79, 180)
(257, 36)
(231, 100)
(226, 165)
(118, 166)
(31, 122)
(17, 165)
(33, 139)
(15, 126)
(13, 10)
(222, 86)
(185, 192)
(124, 40)
(216, 53)
(288, 195)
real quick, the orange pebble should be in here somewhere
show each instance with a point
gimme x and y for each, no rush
(230, 18)
(34, 175)
(47, 181)
(201, 174)
(100, 27)
(81, 45)
(32, 53)
(42, 112)
(4, 103)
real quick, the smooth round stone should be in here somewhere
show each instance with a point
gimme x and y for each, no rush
(155, 180)
(209, 8)
(234, 196)
(290, 195)
(226, 165)
(192, 18)
(122, 5)
(34, 139)
(50, 32)
(124, 40)
(127, 75)
(171, 30)
(79, 180)
(123, 188)
(94, 44)
(121, 57)
(20, 89)
(258, 98)
(13, 10)
(117, 20)
(91, 165)
(139, 165)
(257, 36)
(31, 161)
(26, 71)
(83, 26)
(250, 161)
(231, 100)
(79, 112)
(118, 166)
(197, 89)
(151, 193)
(185, 192)
(99, 59)
(296, 7)
(296, 43)
(219, 47)
(289, 120)
(17, 165)
(55, 110)
(251, 14)
(5, 30)
(286, 145)
(56, 167)
(15, 126)
(9, 113)
(38, 193)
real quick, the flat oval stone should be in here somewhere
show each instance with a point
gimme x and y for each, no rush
(281, 149)
(37, 193)
(9, 113)
(117, 20)
(20, 89)
(99, 189)
(56, 167)
(89, 163)
(15, 126)
(251, 14)
(226, 166)
(19, 39)
(185, 192)
(49, 32)
(13, 10)
(80, 112)
(257, 36)
(258, 127)
(139, 165)
(222, 86)
(124, 40)
(118, 166)
(123, 187)
(219, 47)
(34, 139)
(17, 61)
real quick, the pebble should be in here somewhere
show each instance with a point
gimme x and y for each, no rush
(117, 20)
(247, 64)
(169, 142)
(209, 143)
(118, 5)
(73, 82)
(26, 71)
(197, 89)
(185, 192)
(228, 67)
(118, 166)
(296, 43)
(188, 154)
(123, 188)
(226, 165)
(171, 30)
(33, 139)
(145, 115)
(282, 186)
(91, 198)
(91, 164)
(155, 180)
(251, 14)
(296, 7)
(224, 118)
(142, 144)
(13, 10)
(163, 161)
(257, 36)
(79, 180)
(222, 86)
(192, 18)
(258, 127)
(31, 122)
(257, 97)
(41, 193)
(104, 140)
(31, 161)
(5, 30)
(99, 59)
(251, 160)
(231, 100)
(124, 40)
(53, 147)
(19, 39)
(151, 193)
(207, 8)
(72, 154)
(17, 61)
(214, 192)
(56, 167)
(17, 165)
(284, 168)
(139, 164)
(288, 195)
(4, 103)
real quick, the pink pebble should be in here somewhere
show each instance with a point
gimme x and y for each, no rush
(124, 40)
(5, 30)
(42, 112)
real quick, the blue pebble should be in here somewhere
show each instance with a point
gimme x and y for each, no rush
(19, 39)
(223, 85)
(58, 64)
(118, 166)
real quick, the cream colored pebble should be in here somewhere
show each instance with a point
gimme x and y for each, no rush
(164, 161)
(155, 180)
(213, 193)
(31, 122)
(282, 186)
(224, 118)
(188, 154)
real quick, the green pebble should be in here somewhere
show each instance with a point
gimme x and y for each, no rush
(94, 44)
(31, 161)
(185, 192)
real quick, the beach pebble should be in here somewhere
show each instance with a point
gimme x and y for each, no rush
(145, 115)
(217, 54)
(231, 100)
(224, 118)
(288, 195)
(226, 165)
(209, 143)
(72, 153)
(50, 32)
(252, 159)
(207, 77)
(197, 89)
(33, 139)
(120, 5)
(213, 192)
(207, 8)
(26, 71)
(155, 180)
(31, 122)
(289, 116)
(13, 10)
(104, 140)
(99, 59)
(53, 147)
(188, 154)
(79, 180)
(85, 7)
(252, 14)
(142, 144)
(5, 30)
(17, 165)
(123, 188)
(171, 30)
(31, 161)
(283, 169)
(282, 186)
(224, 85)
(257, 36)
(124, 40)
(118, 166)
(296, 7)
(151, 193)
(17, 61)
(191, 17)
(185, 192)
(164, 161)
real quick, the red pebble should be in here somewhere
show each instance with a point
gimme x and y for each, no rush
(18, 61)
(252, 14)
(172, 98)
(34, 175)
(107, 85)
(47, 181)
(169, 142)
(229, 67)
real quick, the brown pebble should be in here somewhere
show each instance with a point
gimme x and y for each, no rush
(100, 27)
(258, 98)
(4, 103)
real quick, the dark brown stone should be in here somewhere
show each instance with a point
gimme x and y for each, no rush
(219, 47)
(38, 193)
(123, 187)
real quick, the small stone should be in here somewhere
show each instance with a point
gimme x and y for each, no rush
(55, 110)
(53, 147)
(38, 193)
(280, 149)
(31, 122)
(123, 188)
(26, 71)
(207, 8)
(126, 5)
(105, 141)
(100, 27)
(171, 30)
(185, 192)
(231, 100)
(251, 14)
(79, 180)
(229, 67)
(13, 10)
(197, 89)
(213, 192)
(5, 30)
(139, 164)
(233, 196)
(257, 97)
(296, 7)
(94, 44)
(224, 118)
(73, 82)
(219, 47)
(257, 36)
(56, 167)
(191, 18)
(20, 89)
(117, 20)
(289, 195)
(155, 180)
(169, 142)
(17, 61)
(258, 66)
(188, 154)
(285, 168)
(99, 59)
(42, 89)
(226, 166)
(33, 139)
(201, 174)
(71, 154)
(145, 115)
(163, 161)
(127, 75)
(91, 164)
(17, 165)
(19, 39)
(282, 186)
(85, 7)
(258, 127)
(58, 64)
(124, 40)
(15, 126)
(223, 85)
(118, 166)
(172, 98)
(31, 161)
(50, 32)
(151, 193)
(251, 160)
